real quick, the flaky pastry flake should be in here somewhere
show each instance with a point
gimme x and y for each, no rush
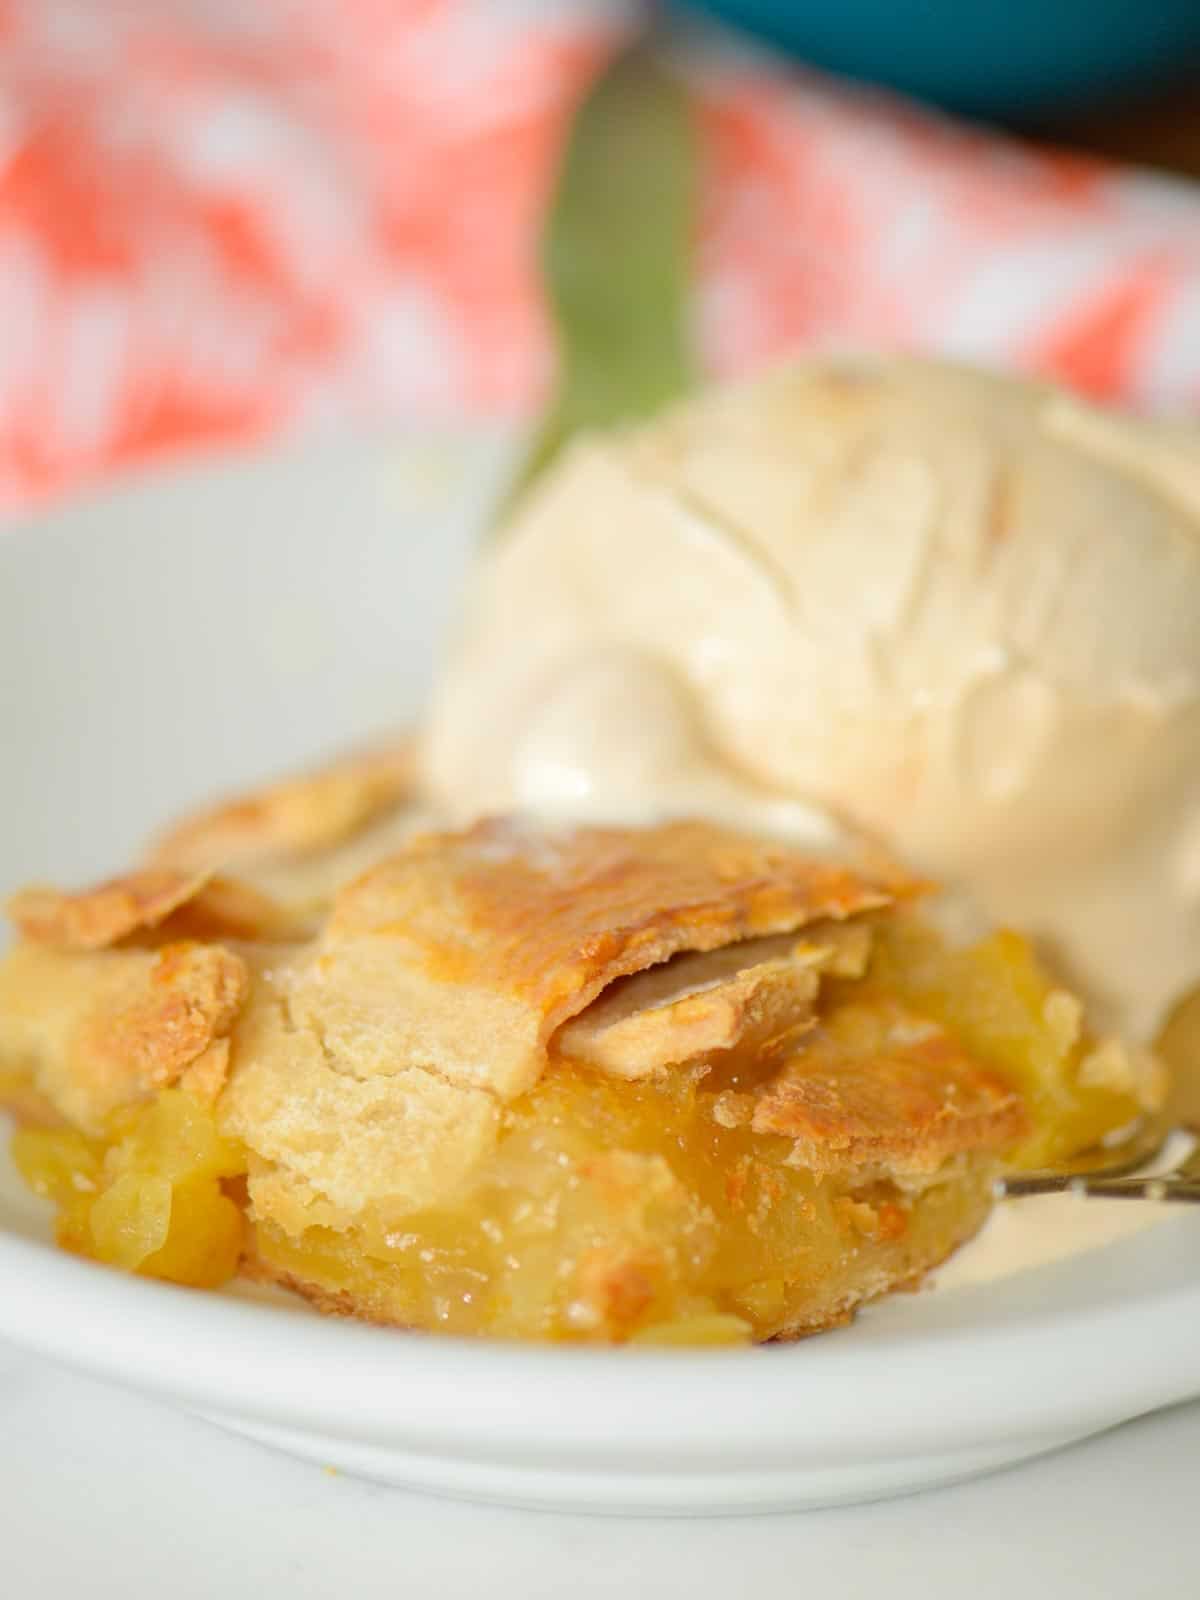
(175, 904)
(101, 1029)
(907, 1100)
(296, 817)
(93, 918)
(696, 1004)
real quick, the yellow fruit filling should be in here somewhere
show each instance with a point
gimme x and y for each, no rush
(151, 1199)
(614, 1209)
(998, 1000)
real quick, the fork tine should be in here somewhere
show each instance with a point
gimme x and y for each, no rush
(1106, 1161)
(1182, 1185)
(1167, 1188)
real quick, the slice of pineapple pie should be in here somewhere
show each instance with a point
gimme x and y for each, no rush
(672, 1083)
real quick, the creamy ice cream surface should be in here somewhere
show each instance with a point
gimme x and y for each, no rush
(959, 612)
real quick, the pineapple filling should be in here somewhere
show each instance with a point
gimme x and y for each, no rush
(614, 1209)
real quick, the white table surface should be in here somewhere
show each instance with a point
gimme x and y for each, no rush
(105, 1494)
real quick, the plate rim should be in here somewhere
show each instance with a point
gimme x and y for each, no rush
(387, 1385)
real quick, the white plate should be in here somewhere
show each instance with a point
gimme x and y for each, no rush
(209, 627)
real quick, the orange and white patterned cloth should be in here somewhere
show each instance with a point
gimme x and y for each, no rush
(224, 222)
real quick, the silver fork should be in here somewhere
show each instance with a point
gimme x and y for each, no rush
(1115, 1174)
(1118, 1171)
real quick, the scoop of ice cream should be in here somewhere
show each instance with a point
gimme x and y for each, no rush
(959, 612)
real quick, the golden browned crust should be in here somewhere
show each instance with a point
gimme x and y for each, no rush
(465, 952)
(296, 817)
(195, 905)
(189, 997)
(98, 1030)
(910, 1102)
(553, 914)
(90, 919)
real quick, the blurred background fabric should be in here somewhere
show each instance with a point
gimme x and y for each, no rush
(225, 223)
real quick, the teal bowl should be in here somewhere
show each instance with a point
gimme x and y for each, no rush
(991, 58)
